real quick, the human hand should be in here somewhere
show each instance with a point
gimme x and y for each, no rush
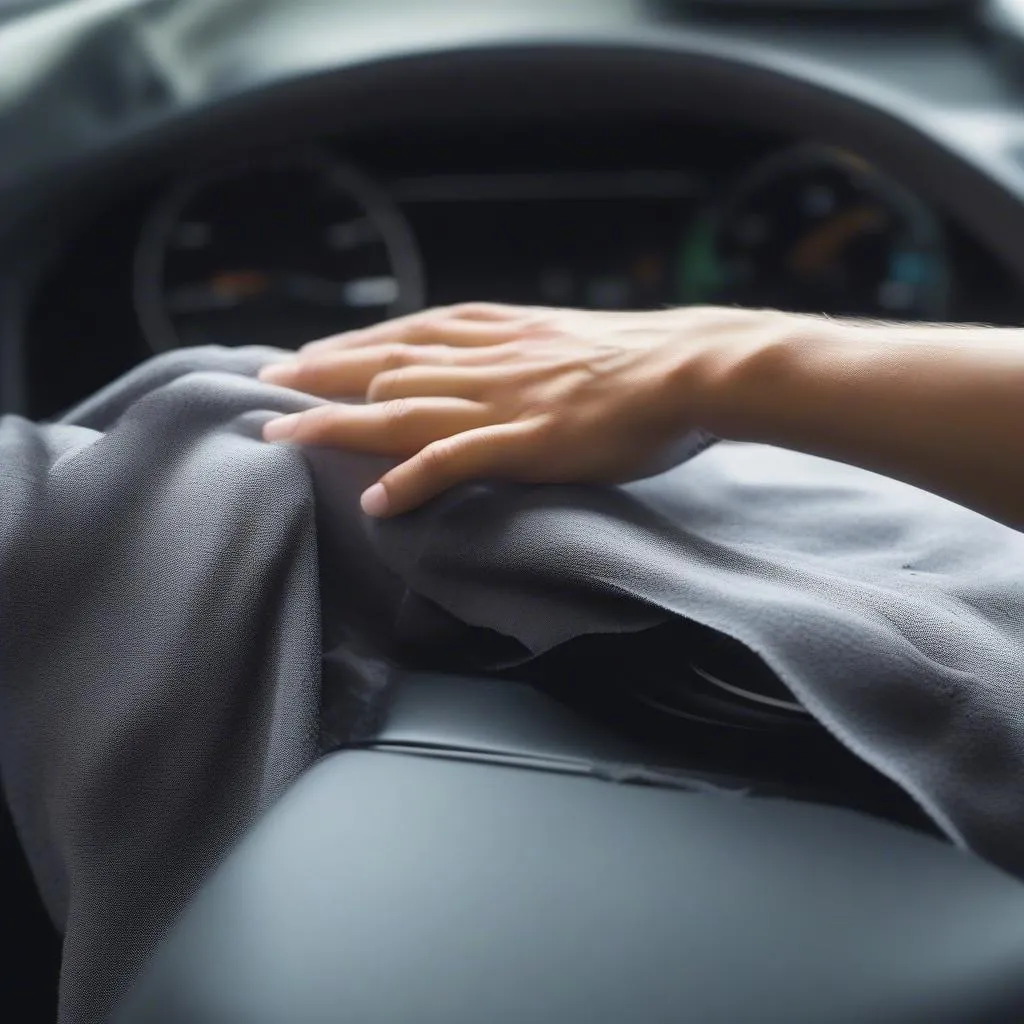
(537, 395)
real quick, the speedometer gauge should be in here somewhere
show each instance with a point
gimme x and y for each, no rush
(819, 231)
(276, 252)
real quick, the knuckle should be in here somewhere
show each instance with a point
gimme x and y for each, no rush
(539, 322)
(384, 385)
(437, 457)
(423, 330)
(544, 432)
(470, 310)
(517, 349)
(440, 355)
(394, 357)
(316, 421)
(395, 410)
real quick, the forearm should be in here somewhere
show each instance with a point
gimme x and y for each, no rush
(940, 407)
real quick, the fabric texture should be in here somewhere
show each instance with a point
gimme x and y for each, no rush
(174, 592)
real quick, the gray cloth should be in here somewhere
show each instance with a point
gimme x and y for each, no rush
(174, 590)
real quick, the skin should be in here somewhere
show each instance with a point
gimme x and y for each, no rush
(483, 391)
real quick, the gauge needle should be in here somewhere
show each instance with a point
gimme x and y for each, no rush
(239, 284)
(818, 249)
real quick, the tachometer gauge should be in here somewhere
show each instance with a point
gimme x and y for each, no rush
(821, 231)
(276, 252)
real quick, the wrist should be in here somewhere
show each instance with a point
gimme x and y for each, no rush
(749, 380)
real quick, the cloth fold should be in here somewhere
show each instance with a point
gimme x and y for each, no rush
(174, 591)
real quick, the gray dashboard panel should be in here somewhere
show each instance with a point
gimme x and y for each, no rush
(388, 888)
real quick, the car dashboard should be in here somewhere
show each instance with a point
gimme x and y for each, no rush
(631, 157)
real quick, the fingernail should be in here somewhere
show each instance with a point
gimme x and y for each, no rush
(275, 373)
(374, 501)
(282, 428)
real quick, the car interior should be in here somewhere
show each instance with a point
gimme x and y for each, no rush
(234, 172)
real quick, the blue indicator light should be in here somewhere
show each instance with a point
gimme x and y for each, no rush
(909, 267)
